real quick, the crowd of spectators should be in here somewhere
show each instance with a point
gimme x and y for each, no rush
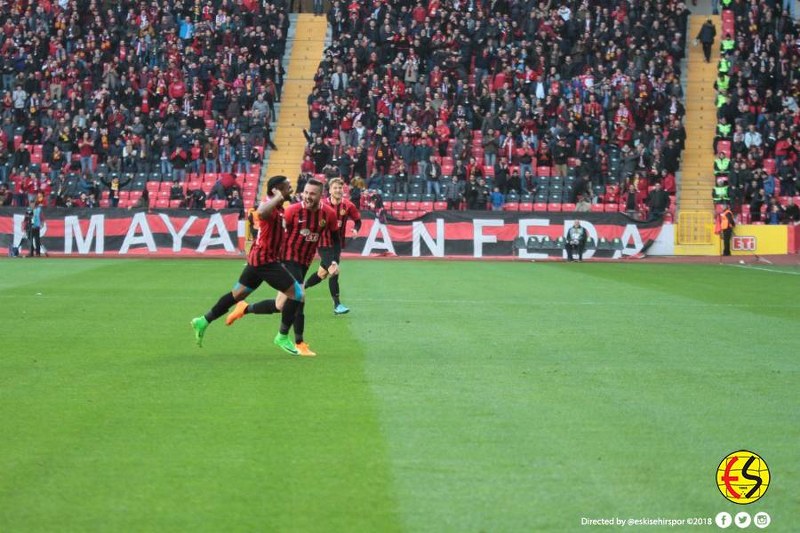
(557, 101)
(95, 93)
(758, 85)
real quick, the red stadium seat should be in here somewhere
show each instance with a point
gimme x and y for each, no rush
(540, 206)
(728, 26)
(568, 207)
(511, 206)
(526, 206)
(426, 207)
(556, 208)
(598, 208)
(440, 206)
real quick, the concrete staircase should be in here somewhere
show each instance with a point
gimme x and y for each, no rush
(695, 216)
(701, 122)
(306, 50)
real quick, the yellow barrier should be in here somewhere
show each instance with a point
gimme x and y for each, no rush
(695, 227)
(759, 239)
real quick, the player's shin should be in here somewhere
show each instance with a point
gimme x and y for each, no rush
(288, 315)
(312, 280)
(333, 285)
(299, 323)
(264, 307)
(221, 307)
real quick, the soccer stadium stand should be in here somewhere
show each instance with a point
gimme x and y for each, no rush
(516, 94)
(757, 86)
(146, 92)
(549, 104)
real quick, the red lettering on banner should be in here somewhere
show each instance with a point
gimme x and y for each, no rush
(743, 244)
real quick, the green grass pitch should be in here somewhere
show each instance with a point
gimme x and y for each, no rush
(456, 396)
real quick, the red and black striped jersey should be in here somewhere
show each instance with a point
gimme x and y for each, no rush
(267, 246)
(344, 210)
(307, 230)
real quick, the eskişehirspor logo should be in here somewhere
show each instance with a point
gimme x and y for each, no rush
(743, 477)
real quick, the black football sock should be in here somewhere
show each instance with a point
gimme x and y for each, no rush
(287, 315)
(299, 323)
(264, 307)
(333, 285)
(221, 307)
(312, 280)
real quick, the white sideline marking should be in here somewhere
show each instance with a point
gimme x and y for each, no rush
(768, 270)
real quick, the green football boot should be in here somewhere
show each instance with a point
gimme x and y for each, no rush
(285, 343)
(199, 326)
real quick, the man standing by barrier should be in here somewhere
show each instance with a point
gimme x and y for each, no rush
(33, 223)
(725, 225)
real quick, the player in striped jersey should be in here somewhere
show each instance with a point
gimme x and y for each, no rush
(264, 266)
(345, 209)
(309, 225)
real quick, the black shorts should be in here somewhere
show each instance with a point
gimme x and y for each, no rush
(276, 275)
(330, 254)
(297, 270)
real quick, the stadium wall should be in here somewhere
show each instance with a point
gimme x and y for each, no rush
(120, 232)
(756, 239)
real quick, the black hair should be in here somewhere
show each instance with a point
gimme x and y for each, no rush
(313, 181)
(276, 181)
